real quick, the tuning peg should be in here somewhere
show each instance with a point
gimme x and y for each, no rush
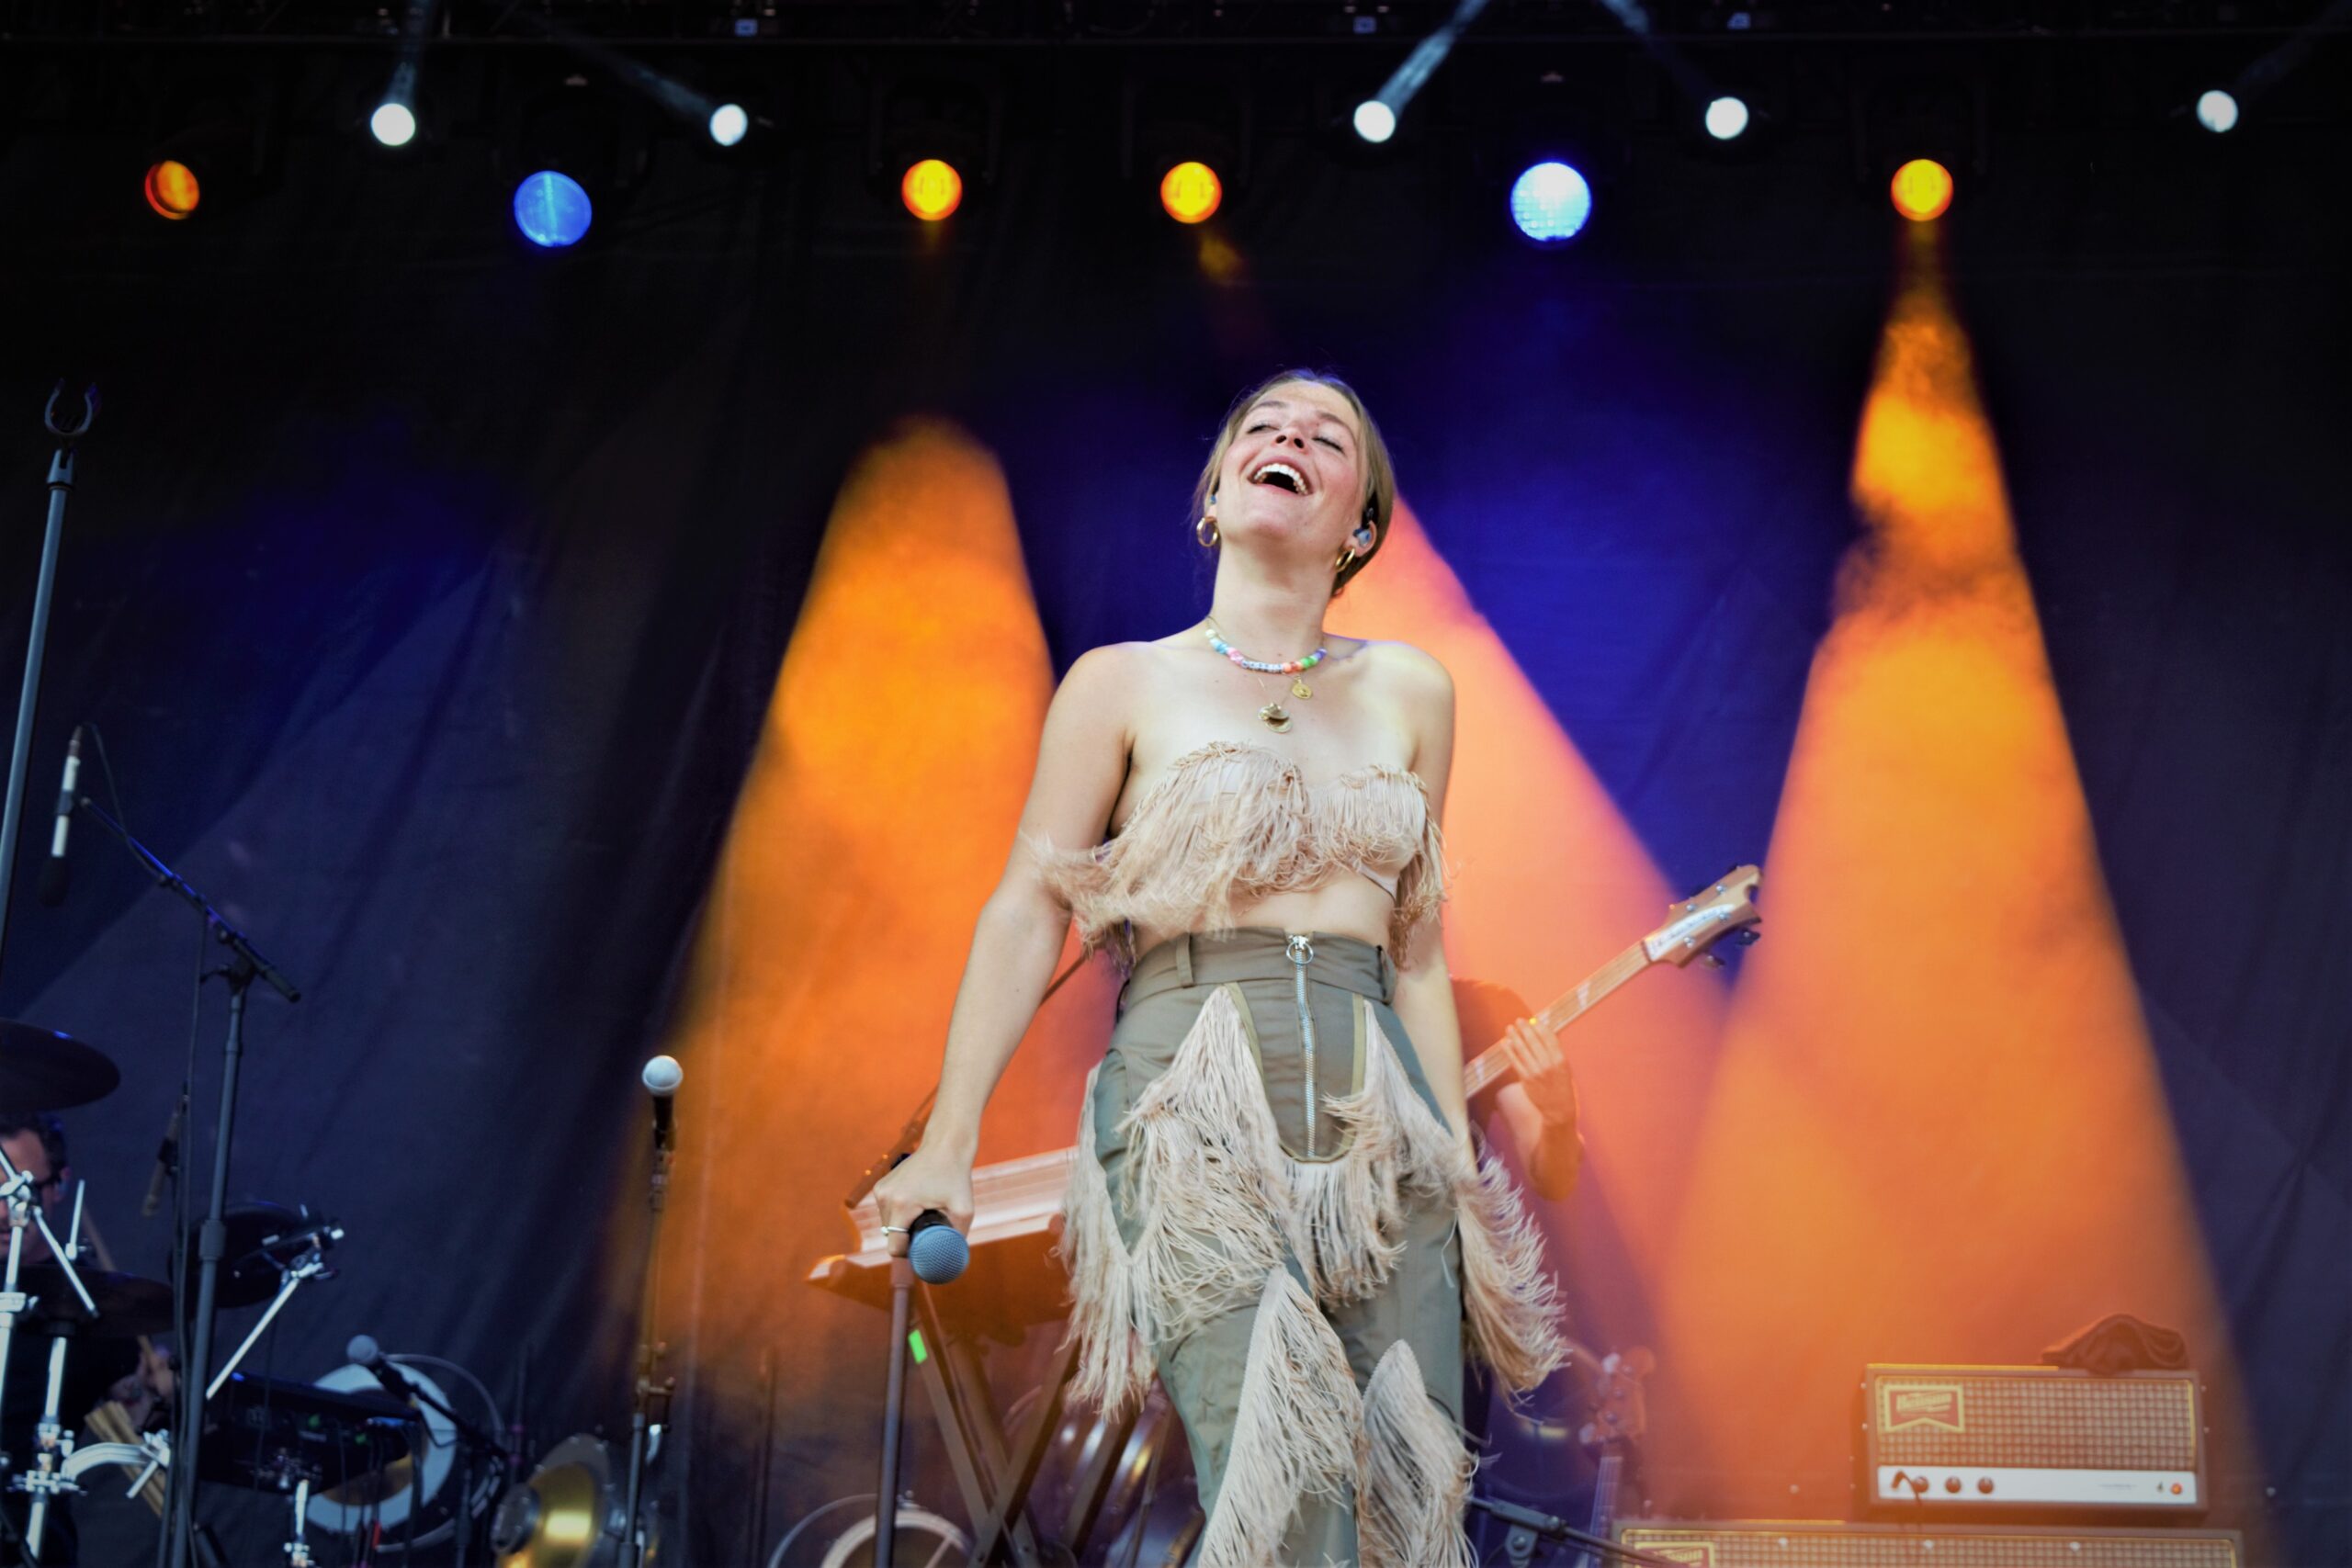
(1748, 936)
(1710, 960)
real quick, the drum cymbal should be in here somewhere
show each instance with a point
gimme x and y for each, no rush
(128, 1304)
(265, 1240)
(44, 1070)
(367, 1491)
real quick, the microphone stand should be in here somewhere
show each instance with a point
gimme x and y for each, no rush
(1526, 1525)
(650, 1410)
(245, 964)
(61, 486)
(470, 1437)
(894, 1401)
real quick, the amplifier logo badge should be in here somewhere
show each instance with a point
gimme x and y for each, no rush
(1910, 1406)
(1696, 1554)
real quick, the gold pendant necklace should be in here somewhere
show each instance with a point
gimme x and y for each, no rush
(1274, 715)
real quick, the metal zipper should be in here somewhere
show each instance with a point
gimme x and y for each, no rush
(1300, 950)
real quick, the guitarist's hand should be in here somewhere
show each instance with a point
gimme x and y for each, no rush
(1543, 1073)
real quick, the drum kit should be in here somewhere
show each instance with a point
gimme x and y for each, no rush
(374, 1449)
(362, 1451)
(343, 1449)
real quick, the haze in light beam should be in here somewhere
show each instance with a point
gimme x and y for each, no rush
(1550, 883)
(875, 819)
(1937, 1132)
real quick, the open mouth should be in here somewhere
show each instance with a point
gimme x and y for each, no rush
(1282, 476)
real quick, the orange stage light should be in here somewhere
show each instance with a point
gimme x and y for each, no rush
(873, 823)
(932, 189)
(1190, 192)
(172, 190)
(1922, 189)
(1937, 1132)
(1550, 881)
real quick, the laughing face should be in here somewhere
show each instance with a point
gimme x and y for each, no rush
(1293, 475)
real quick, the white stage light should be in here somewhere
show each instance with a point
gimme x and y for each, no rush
(1375, 121)
(2217, 111)
(394, 123)
(1726, 117)
(730, 124)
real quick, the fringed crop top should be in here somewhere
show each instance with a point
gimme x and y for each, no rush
(1228, 825)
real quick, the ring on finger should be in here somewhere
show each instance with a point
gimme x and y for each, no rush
(894, 1230)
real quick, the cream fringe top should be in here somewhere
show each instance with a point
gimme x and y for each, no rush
(1229, 824)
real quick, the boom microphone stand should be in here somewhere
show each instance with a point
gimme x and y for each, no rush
(245, 964)
(1527, 1525)
(61, 486)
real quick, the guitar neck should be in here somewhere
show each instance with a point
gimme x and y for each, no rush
(1604, 1494)
(1493, 1064)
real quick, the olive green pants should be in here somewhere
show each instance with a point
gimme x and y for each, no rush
(1305, 1004)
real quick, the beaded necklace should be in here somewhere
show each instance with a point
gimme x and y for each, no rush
(1273, 714)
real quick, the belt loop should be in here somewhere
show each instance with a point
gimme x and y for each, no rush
(1184, 960)
(1387, 977)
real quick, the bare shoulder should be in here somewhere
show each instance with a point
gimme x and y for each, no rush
(1113, 665)
(1104, 685)
(1414, 675)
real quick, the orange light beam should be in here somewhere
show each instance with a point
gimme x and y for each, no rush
(873, 823)
(1550, 881)
(1937, 1132)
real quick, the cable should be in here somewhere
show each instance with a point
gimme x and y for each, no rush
(106, 766)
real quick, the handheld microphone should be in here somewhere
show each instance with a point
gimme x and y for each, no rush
(936, 1248)
(55, 874)
(167, 1154)
(364, 1350)
(661, 1077)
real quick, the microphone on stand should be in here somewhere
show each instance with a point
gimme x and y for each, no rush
(936, 1248)
(364, 1350)
(167, 1154)
(56, 873)
(661, 1077)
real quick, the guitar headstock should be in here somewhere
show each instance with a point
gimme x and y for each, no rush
(1725, 907)
(1619, 1414)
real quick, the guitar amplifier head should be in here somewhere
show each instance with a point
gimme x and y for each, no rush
(1826, 1543)
(1987, 1440)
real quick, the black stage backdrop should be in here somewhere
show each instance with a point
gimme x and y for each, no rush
(429, 593)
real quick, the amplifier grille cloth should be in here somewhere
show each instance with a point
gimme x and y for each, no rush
(1810, 1549)
(2108, 1424)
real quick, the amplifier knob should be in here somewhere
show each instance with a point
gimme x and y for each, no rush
(1985, 1485)
(1951, 1483)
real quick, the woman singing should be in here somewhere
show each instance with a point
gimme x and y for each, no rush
(1275, 1204)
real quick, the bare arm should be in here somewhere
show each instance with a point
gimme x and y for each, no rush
(1541, 1109)
(1081, 762)
(1424, 986)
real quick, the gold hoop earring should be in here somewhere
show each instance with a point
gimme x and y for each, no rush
(1205, 532)
(1346, 555)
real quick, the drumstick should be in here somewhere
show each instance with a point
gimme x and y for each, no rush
(110, 1420)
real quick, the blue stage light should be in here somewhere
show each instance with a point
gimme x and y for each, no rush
(551, 210)
(1550, 203)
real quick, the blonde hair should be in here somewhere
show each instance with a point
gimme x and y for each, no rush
(1379, 473)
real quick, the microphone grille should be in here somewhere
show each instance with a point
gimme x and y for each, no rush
(663, 1076)
(363, 1348)
(939, 1254)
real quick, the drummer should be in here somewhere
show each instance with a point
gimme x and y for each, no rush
(96, 1369)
